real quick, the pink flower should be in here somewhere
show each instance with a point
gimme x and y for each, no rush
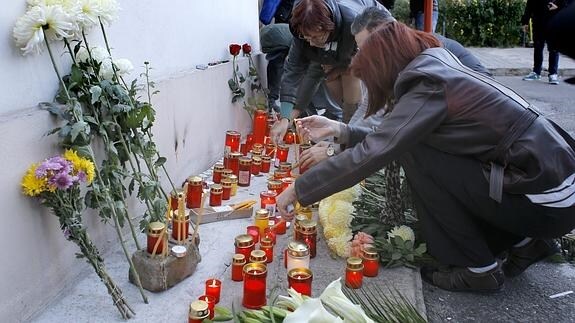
(360, 241)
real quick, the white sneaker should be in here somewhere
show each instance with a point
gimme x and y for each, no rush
(532, 77)
(553, 79)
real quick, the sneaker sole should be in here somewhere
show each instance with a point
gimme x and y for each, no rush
(479, 291)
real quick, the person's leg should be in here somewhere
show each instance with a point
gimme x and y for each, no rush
(274, 75)
(553, 60)
(538, 45)
(419, 21)
(351, 89)
(322, 100)
(435, 16)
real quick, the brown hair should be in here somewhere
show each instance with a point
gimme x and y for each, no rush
(385, 53)
(311, 16)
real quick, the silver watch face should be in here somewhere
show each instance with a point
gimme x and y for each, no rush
(330, 151)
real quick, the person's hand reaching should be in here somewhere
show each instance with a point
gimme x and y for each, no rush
(314, 155)
(317, 128)
(278, 130)
(286, 198)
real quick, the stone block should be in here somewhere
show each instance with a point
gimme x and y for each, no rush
(161, 273)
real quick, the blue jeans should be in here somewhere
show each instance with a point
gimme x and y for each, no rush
(419, 20)
(539, 41)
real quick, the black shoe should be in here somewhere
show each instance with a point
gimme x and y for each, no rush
(459, 279)
(521, 258)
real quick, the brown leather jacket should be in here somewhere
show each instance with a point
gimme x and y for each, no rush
(443, 104)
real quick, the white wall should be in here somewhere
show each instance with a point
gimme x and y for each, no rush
(193, 110)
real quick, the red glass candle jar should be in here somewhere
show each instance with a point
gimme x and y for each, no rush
(199, 311)
(226, 173)
(302, 148)
(275, 186)
(258, 257)
(286, 182)
(180, 227)
(217, 173)
(257, 149)
(308, 235)
(194, 193)
(271, 121)
(244, 176)
(289, 137)
(262, 220)
(156, 237)
(266, 164)
(232, 142)
(234, 162)
(354, 272)
(174, 196)
(280, 226)
(244, 244)
(268, 201)
(270, 234)
(256, 165)
(238, 263)
(216, 191)
(249, 143)
(285, 167)
(299, 218)
(279, 174)
(254, 232)
(271, 150)
(260, 126)
(300, 280)
(254, 286)
(214, 288)
(211, 304)
(282, 152)
(267, 246)
(226, 189)
(370, 262)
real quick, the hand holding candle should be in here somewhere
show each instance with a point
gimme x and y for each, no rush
(287, 197)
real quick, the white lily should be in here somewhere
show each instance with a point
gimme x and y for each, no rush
(336, 300)
(293, 301)
(311, 311)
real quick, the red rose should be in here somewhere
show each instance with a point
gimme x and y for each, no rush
(235, 49)
(247, 49)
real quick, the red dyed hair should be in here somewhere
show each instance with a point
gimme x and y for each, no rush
(385, 53)
(311, 16)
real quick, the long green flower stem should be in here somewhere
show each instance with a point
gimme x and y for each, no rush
(150, 168)
(107, 142)
(107, 194)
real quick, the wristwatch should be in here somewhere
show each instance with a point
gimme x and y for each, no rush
(330, 150)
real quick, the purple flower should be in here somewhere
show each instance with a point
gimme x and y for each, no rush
(67, 233)
(55, 164)
(62, 180)
(81, 176)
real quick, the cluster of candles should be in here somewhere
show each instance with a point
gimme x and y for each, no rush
(204, 307)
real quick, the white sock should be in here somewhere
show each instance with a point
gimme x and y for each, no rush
(479, 270)
(522, 242)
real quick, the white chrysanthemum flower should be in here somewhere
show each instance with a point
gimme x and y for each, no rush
(106, 70)
(341, 245)
(123, 65)
(89, 12)
(403, 231)
(348, 195)
(341, 216)
(107, 10)
(99, 54)
(30, 28)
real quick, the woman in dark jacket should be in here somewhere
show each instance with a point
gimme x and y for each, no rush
(488, 173)
(322, 49)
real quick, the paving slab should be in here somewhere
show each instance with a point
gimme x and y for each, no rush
(517, 61)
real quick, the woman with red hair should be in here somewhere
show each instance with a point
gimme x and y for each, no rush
(488, 173)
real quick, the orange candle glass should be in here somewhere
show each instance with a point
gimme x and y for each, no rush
(254, 296)
(354, 272)
(370, 262)
(217, 173)
(244, 244)
(214, 288)
(156, 235)
(194, 193)
(216, 191)
(267, 246)
(260, 126)
(300, 280)
(238, 262)
(211, 304)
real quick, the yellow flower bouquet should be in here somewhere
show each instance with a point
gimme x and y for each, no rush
(57, 181)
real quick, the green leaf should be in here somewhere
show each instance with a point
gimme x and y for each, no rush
(160, 161)
(395, 256)
(78, 128)
(96, 92)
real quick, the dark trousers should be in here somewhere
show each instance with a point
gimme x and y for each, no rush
(461, 224)
(274, 72)
(539, 40)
